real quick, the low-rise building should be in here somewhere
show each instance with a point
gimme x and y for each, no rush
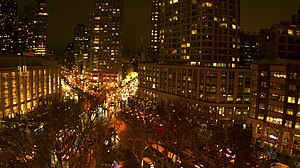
(25, 83)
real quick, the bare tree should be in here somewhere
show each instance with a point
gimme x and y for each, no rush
(65, 134)
(138, 138)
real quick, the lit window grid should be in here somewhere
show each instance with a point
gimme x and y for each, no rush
(169, 80)
(174, 32)
(111, 36)
(19, 93)
(280, 112)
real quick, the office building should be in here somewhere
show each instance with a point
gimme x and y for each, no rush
(82, 46)
(8, 20)
(199, 60)
(275, 109)
(32, 29)
(25, 83)
(107, 36)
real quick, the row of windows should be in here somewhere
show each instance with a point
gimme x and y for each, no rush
(277, 74)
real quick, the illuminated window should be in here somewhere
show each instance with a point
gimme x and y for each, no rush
(263, 73)
(223, 25)
(291, 99)
(194, 64)
(230, 98)
(297, 125)
(290, 32)
(43, 14)
(260, 117)
(290, 111)
(194, 32)
(262, 106)
(288, 123)
(233, 26)
(278, 74)
(207, 4)
(274, 120)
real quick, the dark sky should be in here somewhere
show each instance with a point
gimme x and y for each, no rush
(66, 14)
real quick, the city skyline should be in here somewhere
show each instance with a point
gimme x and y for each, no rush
(62, 24)
(207, 91)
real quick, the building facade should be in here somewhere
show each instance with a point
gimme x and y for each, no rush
(248, 49)
(107, 36)
(8, 20)
(23, 88)
(199, 60)
(154, 35)
(82, 46)
(223, 93)
(69, 57)
(32, 29)
(281, 41)
(200, 33)
(275, 109)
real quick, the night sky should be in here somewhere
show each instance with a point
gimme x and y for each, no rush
(66, 14)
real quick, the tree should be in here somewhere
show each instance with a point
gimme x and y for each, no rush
(188, 135)
(63, 134)
(138, 137)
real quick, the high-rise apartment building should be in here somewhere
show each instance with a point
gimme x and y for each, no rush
(8, 20)
(200, 33)
(69, 57)
(107, 36)
(154, 35)
(248, 48)
(82, 46)
(33, 26)
(275, 110)
(199, 60)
